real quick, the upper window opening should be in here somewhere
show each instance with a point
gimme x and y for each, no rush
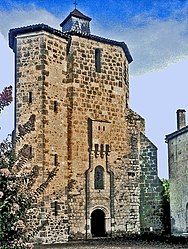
(98, 60)
(99, 177)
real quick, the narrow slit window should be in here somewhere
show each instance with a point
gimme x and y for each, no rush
(30, 97)
(102, 148)
(127, 104)
(55, 160)
(131, 174)
(55, 208)
(30, 151)
(96, 147)
(55, 106)
(98, 60)
(107, 148)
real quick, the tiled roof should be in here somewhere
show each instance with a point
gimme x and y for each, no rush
(76, 13)
(176, 133)
(39, 27)
(33, 28)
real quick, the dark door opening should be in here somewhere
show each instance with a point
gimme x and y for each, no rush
(98, 223)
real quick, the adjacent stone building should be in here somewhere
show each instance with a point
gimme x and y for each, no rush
(178, 175)
(77, 85)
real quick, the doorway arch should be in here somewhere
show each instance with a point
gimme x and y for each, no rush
(98, 223)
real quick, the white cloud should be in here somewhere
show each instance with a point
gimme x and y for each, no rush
(158, 44)
(23, 17)
(154, 43)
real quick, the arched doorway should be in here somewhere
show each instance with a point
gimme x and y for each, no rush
(98, 223)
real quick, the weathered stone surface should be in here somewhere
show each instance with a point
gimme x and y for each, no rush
(83, 120)
(151, 199)
(178, 171)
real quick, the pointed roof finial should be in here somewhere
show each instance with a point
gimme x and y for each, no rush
(75, 4)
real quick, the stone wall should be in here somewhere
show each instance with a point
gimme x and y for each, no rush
(151, 200)
(101, 97)
(54, 71)
(178, 168)
(40, 69)
(83, 120)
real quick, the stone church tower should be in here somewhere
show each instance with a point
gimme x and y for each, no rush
(77, 85)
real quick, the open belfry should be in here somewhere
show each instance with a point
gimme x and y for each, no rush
(77, 86)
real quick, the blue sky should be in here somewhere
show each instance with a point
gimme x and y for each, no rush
(156, 33)
(124, 8)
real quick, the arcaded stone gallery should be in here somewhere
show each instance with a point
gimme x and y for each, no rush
(77, 85)
(178, 169)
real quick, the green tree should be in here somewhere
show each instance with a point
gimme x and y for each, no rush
(17, 192)
(166, 189)
(166, 205)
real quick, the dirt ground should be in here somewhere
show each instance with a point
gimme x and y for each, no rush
(133, 243)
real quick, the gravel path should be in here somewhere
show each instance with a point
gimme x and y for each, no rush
(127, 244)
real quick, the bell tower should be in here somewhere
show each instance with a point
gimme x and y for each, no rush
(77, 22)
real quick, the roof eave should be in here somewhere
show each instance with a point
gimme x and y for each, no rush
(176, 133)
(43, 27)
(70, 15)
(30, 29)
(127, 52)
(107, 41)
(66, 19)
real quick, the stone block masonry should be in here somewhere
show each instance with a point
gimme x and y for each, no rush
(151, 206)
(77, 85)
(178, 170)
(41, 68)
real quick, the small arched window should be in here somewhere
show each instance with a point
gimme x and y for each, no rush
(99, 177)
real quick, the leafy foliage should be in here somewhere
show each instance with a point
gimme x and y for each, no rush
(166, 205)
(14, 199)
(17, 192)
(166, 189)
(5, 97)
